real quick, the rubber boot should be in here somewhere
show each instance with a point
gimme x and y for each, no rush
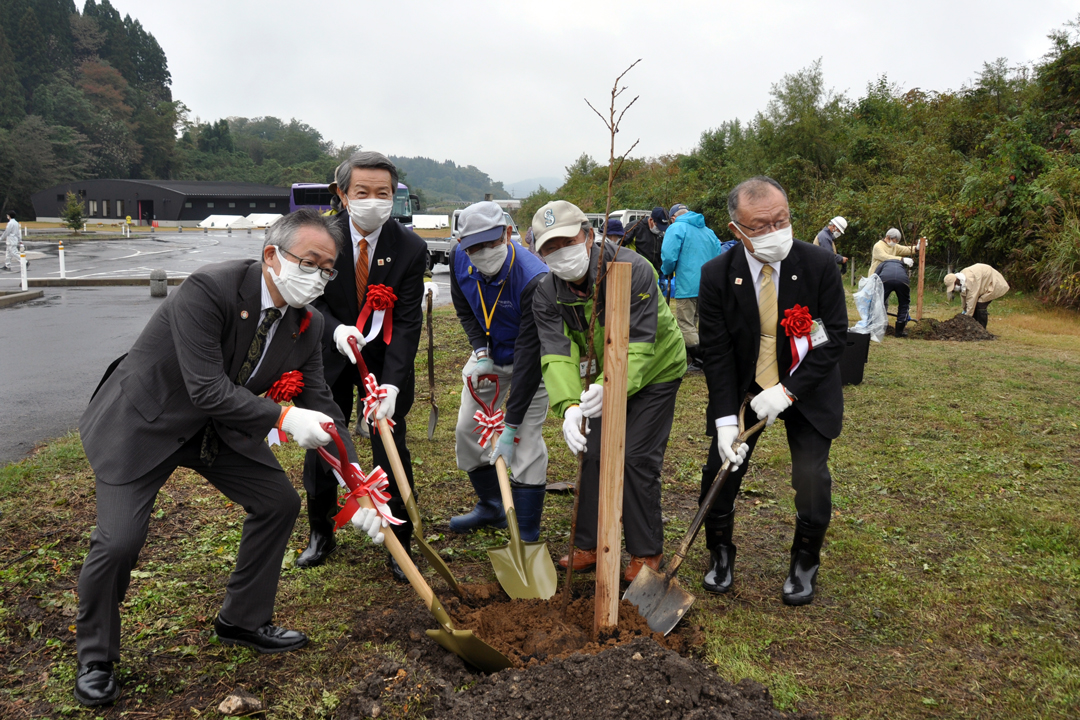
(528, 506)
(321, 543)
(805, 559)
(721, 573)
(900, 332)
(693, 358)
(489, 508)
(982, 313)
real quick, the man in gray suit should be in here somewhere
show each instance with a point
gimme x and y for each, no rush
(188, 395)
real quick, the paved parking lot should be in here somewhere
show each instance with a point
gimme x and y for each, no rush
(53, 350)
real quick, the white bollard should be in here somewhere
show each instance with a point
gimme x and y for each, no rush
(22, 268)
(63, 268)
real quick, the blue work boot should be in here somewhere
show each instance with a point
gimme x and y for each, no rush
(528, 506)
(489, 508)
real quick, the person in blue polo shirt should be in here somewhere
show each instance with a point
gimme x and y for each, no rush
(492, 282)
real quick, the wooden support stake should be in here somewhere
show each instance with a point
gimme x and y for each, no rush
(922, 271)
(612, 447)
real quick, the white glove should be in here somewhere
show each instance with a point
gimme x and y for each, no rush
(571, 430)
(434, 289)
(484, 366)
(341, 339)
(368, 520)
(388, 404)
(725, 439)
(770, 403)
(592, 401)
(304, 426)
(909, 262)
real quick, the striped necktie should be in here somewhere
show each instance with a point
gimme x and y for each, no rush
(766, 375)
(361, 273)
(208, 451)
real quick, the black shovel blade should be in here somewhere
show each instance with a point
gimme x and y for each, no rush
(659, 599)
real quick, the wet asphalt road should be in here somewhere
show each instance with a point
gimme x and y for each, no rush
(54, 350)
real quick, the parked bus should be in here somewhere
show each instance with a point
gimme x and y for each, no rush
(317, 196)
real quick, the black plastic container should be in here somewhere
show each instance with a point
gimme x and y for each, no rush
(853, 361)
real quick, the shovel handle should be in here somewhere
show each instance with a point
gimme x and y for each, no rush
(360, 364)
(430, 351)
(714, 490)
(400, 477)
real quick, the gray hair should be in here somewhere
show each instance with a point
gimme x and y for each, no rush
(283, 233)
(755, 188)
(893, 234)
(364, 159)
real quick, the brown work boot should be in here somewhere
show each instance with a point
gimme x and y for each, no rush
(584, 560)
(636, 562)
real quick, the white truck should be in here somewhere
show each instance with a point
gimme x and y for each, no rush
(626, 217)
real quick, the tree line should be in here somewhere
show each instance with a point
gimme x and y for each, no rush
(990, 172)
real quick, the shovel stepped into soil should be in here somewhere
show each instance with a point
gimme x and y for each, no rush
(659, 597)
(462, 643)
(398, 470)
(524, 569)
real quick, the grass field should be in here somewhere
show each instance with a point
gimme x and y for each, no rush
(950, 581)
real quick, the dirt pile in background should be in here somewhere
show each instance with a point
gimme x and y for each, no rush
(962, 328)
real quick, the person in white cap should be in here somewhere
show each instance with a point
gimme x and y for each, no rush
(827, 238)
(978, 285)
(562, 308)
(889, 248)
(492, 283)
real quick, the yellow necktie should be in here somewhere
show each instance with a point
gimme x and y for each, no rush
(766, 375)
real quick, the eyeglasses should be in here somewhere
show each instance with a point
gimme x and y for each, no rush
(772, 227)
(309, 266)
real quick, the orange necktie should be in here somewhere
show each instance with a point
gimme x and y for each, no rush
(361, 273)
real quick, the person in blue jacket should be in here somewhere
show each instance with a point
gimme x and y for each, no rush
(688, 245)
(492, 282)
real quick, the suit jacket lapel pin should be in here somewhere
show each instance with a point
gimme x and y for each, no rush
(738, 281)
(243, 314)
(380, 261)
(794, 277)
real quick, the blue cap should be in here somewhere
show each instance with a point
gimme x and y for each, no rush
(677, 207)
(615, 228)
(660, 216)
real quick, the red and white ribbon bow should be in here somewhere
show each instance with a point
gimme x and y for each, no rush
(374, 485)
(375, 394)
(488, 424)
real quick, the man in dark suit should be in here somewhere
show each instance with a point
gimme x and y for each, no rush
(383, 252)
(187, 395)
(756, 307)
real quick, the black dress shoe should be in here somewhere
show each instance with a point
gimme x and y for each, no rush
(395, 569)
(721, 573)
(802, 578)
(267, 639)
(319, 548)
(95, 684)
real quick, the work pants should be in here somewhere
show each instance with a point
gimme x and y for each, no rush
(686, 314)
(903, 297)
(810, 476)
(530, 455)
(318, 479)
(11, 259)
(982, 313)
(649, 414)
(123, 518)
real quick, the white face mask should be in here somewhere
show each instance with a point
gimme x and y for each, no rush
(891, 243)
(569, 263)
(772, 247)
(370, 215)
(654, 230)
(297, 287)
(489, 261)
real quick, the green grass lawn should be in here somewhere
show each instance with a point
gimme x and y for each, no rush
(950, 581)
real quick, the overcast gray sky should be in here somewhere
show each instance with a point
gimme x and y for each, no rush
(500, 85)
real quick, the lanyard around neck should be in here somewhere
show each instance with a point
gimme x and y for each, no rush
(488, 316)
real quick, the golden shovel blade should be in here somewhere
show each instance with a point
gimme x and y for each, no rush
(659, 599)
(471, 649)
(533, 577)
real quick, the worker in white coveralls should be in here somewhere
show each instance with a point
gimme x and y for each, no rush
(13, 235)
(492, 282)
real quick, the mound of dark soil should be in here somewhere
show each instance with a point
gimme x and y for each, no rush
(636, 680)
(962, 328)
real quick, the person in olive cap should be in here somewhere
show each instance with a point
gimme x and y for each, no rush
(492, 283)
(646, 237)
(562, 307)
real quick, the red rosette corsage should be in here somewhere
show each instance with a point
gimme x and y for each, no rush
(797, 321)
(305, 323)
(287, 387)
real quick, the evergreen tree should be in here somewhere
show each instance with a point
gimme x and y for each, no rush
(12, 106)
(32, 60)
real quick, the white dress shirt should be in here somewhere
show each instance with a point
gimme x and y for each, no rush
(372, 241)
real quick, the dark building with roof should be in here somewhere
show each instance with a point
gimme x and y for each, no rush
(167, 202)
